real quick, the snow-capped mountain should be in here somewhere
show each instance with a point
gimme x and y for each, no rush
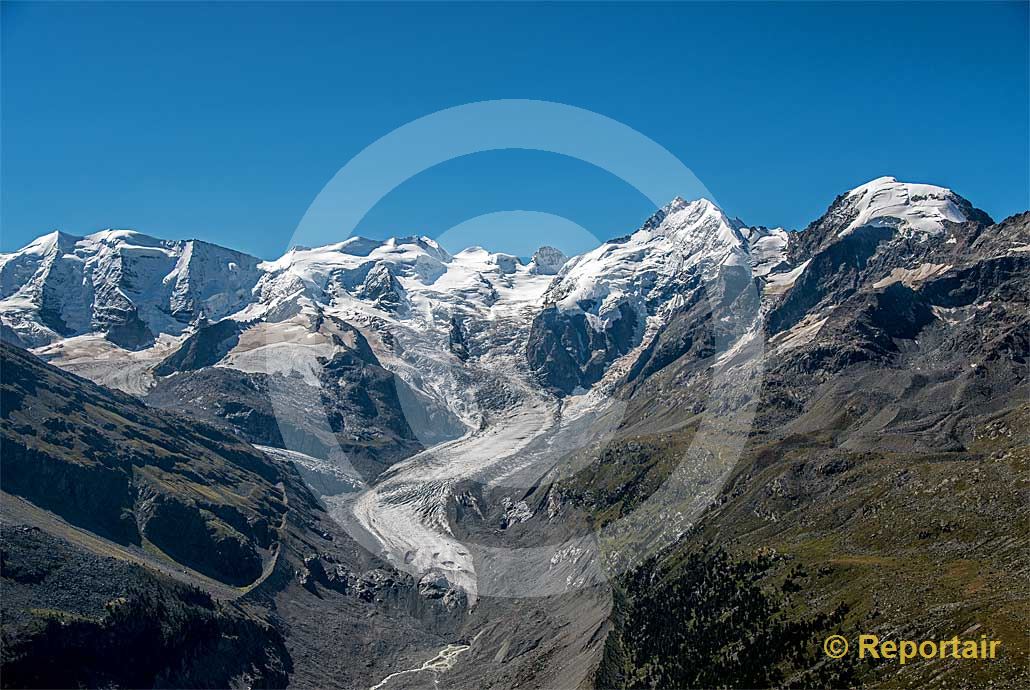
(868, 232)
(564, 322)
(127, 285)
(915, 207)
(134, 288)
(405, 277)
(606, 302)
(916, 211)
(643, 267)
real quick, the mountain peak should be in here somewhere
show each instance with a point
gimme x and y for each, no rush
(919, 207)
(547, 261)
(695, 208)
(876, 182)
(45, 243)
(676, 204)
(113, 234)
(698, 221)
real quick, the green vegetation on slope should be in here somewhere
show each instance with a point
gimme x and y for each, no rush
(106, 462)
(75, 619)
(814, 538)
(705, 619)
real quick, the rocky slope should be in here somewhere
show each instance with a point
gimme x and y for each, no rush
(197, 494)
(884, 477)
(73, 618)
(140, 548)
(112, 516)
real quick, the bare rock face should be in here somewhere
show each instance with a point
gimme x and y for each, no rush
(327, 572)
(568, 352)
(436, 588)
(382, 289)
(203, 348)
(547, 261)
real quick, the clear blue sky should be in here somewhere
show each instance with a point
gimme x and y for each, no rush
(223, 121)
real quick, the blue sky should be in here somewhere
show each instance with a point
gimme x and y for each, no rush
(223, 121)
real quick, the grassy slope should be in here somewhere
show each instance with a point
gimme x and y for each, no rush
(106, 462)
(902, 545)
(119, 546)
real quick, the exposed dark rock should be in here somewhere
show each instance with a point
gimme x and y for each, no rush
(363, 409)
(567, 351)
(203, 348)
(383, 289)
(547, 261)
(833, 273)
(456, 339)
(75, 619)
(324, 571)
(241, 401)
(130, 332)
(11, 337)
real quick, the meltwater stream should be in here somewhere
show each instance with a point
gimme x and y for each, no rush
(443, 661)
